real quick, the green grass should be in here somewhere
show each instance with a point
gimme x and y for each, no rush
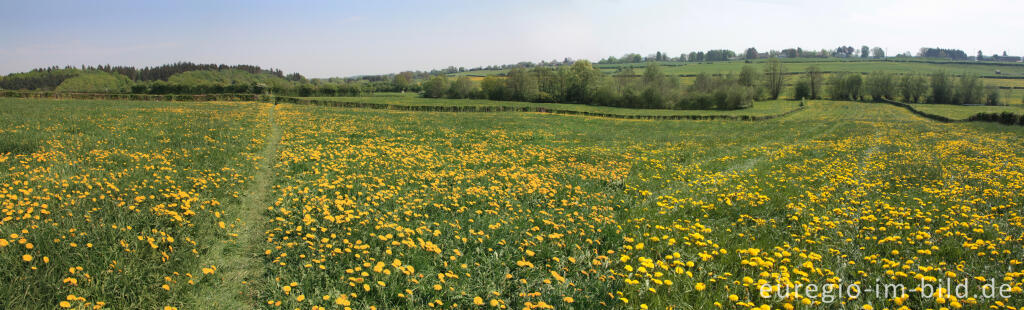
(399, 209)
(117, 196)
(963, 112)
(528, 208)
(761, 108)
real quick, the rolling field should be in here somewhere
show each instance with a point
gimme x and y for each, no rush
(117, 204)
(963, 112)
(243, 205)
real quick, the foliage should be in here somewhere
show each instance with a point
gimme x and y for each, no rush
(880, 85)
(969, 90)
(435, 87)
(773, 77)
(913, 87)
(38, 79)
(463, 87)
(942, 88)
(96, 82)
(815, 79)
(992, 97)
(802, 89)
(846, 86)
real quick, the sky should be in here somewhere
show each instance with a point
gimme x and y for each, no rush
(348, 38)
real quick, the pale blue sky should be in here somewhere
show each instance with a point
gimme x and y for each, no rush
(344, 38)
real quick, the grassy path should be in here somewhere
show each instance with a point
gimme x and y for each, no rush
(237, 261)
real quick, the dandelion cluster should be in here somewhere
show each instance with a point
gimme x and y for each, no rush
(117, 205)
(112, 205)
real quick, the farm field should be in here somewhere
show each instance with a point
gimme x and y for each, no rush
(963, 112)
(760, 108)
(119, 204)
(156, 204)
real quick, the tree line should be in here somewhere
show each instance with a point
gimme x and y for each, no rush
(52, 77)
(581, 83)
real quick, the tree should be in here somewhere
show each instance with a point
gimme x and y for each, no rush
(880, 85)
(493, 88)
(969, 90)
(748, 76)
(751, 53)
(789, 53)
(658, 89)
(552, 84)
(521, 85)
(814, 81)
(864, 50)
(802, 89)
(461, 88)
(912, 87)
(992, 97)
(435, 87)
(719, 55)
(773, 74)
(583, 80)
(878, 52)
(402, 81)
(846, 86)
(942, 89)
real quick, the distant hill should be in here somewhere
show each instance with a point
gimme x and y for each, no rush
(227, 77)
(95, 81)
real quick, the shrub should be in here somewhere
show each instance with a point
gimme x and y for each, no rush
(435, 87)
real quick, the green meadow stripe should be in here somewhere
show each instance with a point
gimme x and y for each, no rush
(471, 108)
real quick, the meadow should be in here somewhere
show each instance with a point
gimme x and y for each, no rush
(116, 204)
(963, 112)
(133, 205)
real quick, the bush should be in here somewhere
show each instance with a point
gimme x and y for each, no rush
(435, 87)
(725, 96)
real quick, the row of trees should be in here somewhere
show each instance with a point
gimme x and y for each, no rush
(583, 84)
(697, 56)
(52, 77)
(750, 53)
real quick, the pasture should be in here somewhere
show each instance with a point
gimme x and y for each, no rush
(161, 205)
